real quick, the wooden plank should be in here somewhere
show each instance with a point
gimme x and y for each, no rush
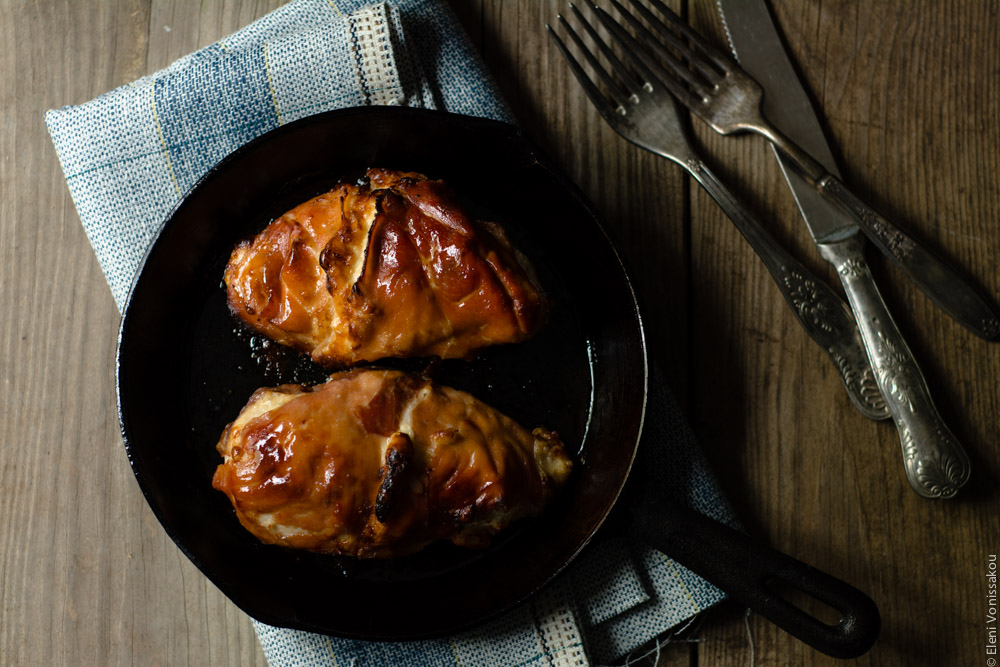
(89, 577)
(641, 196)
(895, 82)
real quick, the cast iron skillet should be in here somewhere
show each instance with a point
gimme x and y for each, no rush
(185, 368)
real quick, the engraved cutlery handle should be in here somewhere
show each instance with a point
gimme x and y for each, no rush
(935, 278)
(932, 275)
(823, 314)
(935, 463)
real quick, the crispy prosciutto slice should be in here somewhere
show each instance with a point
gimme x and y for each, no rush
(390, 267)
(378, 464)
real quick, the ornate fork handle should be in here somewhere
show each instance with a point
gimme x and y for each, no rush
(935, 463)
(932, 275)
(823, 314)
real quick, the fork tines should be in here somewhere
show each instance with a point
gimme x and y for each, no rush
(666, 54)
(622, 93)
(613, 87)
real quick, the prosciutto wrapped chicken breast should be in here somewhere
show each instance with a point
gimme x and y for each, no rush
(379, 463)
(390, 267)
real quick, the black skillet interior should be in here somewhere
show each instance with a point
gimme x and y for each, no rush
(185, 368)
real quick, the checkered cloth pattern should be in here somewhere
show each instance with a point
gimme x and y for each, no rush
(130, 155)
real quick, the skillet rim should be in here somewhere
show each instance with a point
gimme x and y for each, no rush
(512, 133)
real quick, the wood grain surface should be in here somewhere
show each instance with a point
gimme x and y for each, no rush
(909, 95)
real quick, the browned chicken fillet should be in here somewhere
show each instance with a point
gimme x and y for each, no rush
(389, 268)
(378, 464)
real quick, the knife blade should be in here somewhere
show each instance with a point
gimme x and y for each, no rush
(935, 463)
(790, 111)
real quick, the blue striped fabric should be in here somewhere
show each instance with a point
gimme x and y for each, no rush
(129, 155)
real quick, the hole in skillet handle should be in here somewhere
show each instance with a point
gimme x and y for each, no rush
(748, 571)
(801, 600)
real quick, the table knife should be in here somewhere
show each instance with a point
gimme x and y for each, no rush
(936, 466)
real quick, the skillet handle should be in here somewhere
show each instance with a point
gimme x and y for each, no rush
(743, 569)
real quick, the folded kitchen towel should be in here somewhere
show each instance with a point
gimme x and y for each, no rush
(130, 155)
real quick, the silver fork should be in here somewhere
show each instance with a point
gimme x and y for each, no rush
(647, 115)
(709, 83)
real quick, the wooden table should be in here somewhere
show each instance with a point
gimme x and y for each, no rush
(910, 97)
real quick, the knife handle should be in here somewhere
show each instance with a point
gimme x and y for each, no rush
(935, 278)
(935, 463)
(820, 311)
